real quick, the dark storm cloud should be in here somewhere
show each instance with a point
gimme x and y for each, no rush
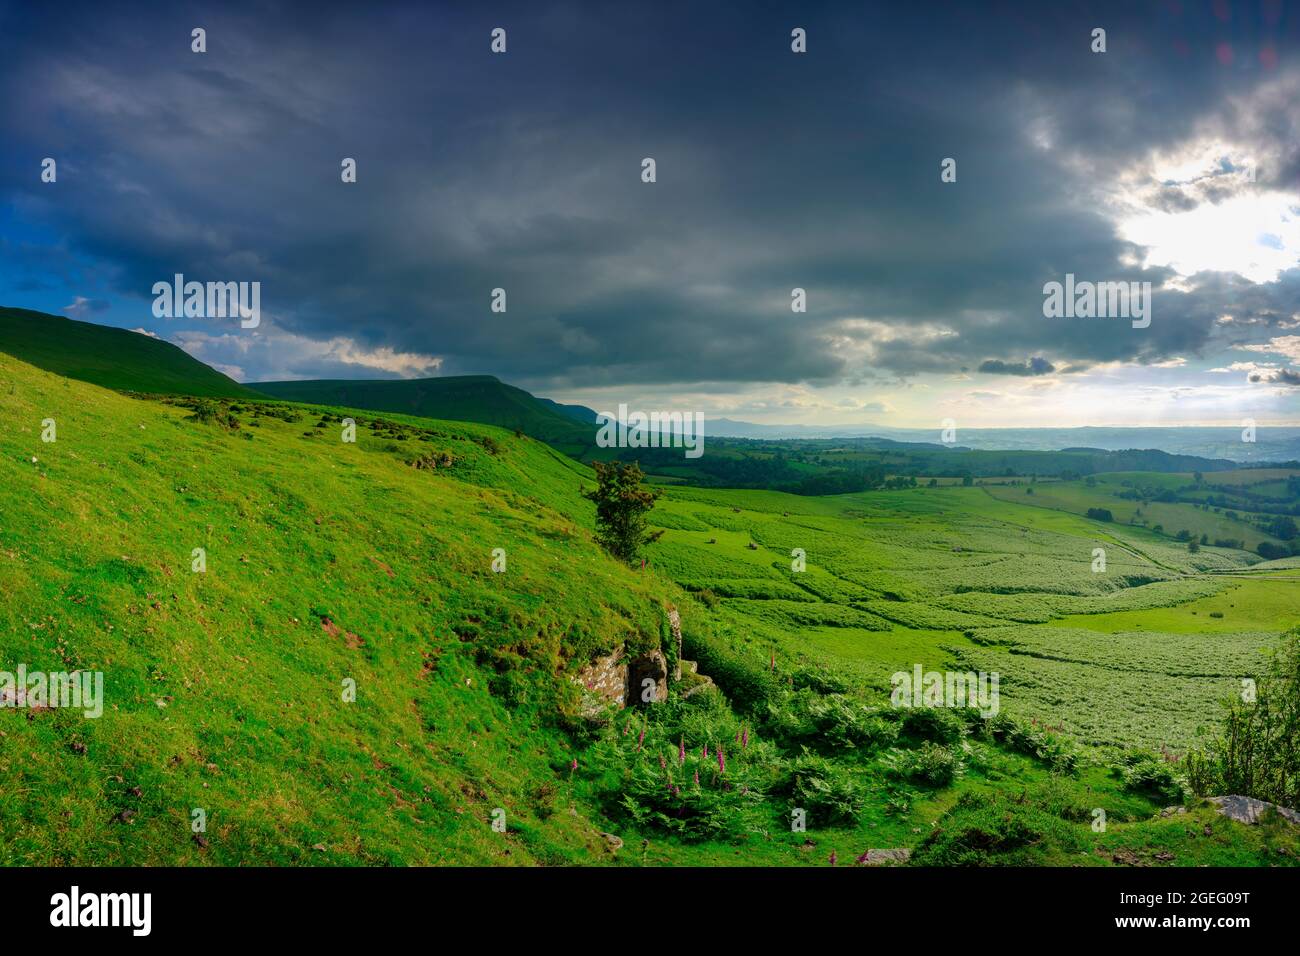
(522, 171)
(1035, 366)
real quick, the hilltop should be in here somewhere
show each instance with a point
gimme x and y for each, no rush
(476, 398)
(107, 356)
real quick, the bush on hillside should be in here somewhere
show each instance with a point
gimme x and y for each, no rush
(826, 791)
(828, 722)
(931, 764)
(1059, 753)
(1152, 776)
(1257, 751)
(942, 725)
(986, 829)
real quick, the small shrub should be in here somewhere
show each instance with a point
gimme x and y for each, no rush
(1151, 776)
(829, 794)
(931, 764)
(940, 724)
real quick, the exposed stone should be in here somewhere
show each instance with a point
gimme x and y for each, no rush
(675, 624)
(615, 842)
(606, 679)
(1250, 810)
(652, 667)
(885, 857)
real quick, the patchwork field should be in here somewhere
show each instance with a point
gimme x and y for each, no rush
(1137, 654)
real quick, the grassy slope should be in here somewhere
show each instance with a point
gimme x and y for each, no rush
(223, 687)
(477, 398)
(111, 357)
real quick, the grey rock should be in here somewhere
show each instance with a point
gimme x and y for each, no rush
(1250, 810)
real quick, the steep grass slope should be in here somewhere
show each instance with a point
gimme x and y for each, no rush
(467, 398)
(111, 357)
(325, 562)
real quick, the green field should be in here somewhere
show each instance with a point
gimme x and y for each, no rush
(952, 576)
(330, 562)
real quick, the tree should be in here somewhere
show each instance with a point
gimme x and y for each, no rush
(1282, 527)
(621, 508)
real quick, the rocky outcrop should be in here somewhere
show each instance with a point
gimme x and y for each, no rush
(605, 679)
(614, 679)
(675, 625)
(1250, 810)
(622, 681)
(647, 679)
(691, 681)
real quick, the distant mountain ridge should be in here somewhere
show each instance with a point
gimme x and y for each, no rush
(1271, 444)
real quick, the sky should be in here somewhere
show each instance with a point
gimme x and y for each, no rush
(1171, 158)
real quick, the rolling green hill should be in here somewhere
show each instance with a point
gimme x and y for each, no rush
(464, 398)
(107, 356)
(325, 562)
(331, 567)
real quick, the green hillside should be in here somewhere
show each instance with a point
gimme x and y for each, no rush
(462, 398)
(325, 561)
(107, 356)
(332, 564)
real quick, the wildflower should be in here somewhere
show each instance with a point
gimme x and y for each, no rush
(681, 751)
(832, 857)
(641, 739)
(744, 738)
(697, 778)
(573, 766)
(662, 764)
(722, 762)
